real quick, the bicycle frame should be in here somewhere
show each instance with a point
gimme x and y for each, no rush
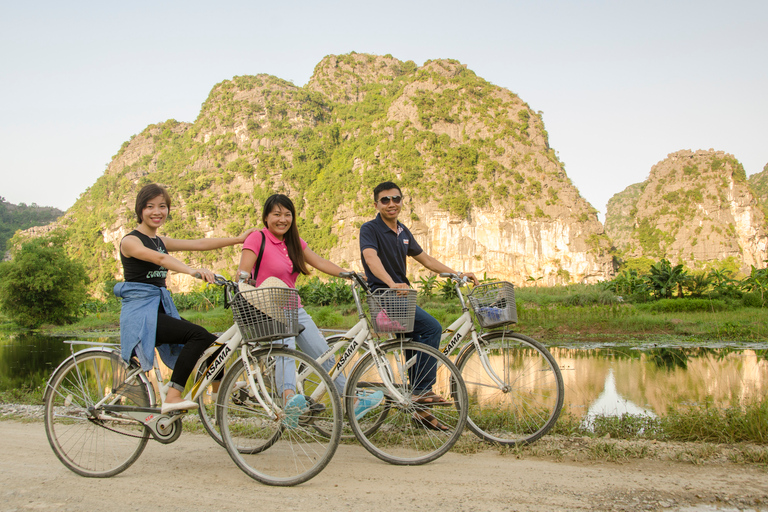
(229, 342)
(360, 335)
(458, 331)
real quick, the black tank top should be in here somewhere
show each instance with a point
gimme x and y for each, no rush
(140, 271)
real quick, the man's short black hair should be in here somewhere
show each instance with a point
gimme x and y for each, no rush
(381, 187)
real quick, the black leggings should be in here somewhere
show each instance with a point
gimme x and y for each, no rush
(195, 339)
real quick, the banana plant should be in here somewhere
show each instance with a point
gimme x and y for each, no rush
(757, 281)
(427, 286)
(664, 279)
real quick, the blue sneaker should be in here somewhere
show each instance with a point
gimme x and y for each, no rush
(366, 403)
(293, 409)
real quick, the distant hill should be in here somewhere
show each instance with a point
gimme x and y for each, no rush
(14, 217)
(759, 184)
(695, 208)
(485, 191)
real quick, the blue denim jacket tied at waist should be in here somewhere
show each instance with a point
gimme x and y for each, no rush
(138, 323)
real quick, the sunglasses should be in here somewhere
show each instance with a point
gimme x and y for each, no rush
(385, 199)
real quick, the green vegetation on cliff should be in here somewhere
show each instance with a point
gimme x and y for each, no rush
(448, 137)
(759, 185)
(695, 208)
(15, 217)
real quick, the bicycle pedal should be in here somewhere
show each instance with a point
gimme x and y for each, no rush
(240, 397)
(314, 410)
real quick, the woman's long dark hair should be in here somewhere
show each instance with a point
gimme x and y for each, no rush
(292, 240)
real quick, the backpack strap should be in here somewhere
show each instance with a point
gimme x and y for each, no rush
(255, 273)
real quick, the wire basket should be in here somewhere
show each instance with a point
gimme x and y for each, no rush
(267, 314)
(392, 310)
(494, 304)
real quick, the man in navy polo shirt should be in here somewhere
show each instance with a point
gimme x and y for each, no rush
(384, 244)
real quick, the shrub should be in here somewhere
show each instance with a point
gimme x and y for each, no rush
(317, 293)
(684, 305)
(41, 284)
(753, 300)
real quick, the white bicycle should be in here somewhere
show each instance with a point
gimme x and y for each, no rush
(374, 356)
(514, 384)
(100, 412)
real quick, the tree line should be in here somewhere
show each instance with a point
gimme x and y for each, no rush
(16, 217)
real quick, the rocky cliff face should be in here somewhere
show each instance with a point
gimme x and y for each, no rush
(485, 192)
(759, 185)
(695, 208)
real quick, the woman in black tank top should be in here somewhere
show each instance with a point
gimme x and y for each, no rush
(145, 259)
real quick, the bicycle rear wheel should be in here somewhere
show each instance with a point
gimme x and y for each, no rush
(278, 450)
(412, 433)
(86, 439)
(527, 404)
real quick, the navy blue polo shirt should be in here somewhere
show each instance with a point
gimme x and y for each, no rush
(392, 249)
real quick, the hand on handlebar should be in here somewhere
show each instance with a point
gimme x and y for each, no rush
(469, 276)
(204, 274)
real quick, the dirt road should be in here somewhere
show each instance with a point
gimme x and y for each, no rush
(195, 474)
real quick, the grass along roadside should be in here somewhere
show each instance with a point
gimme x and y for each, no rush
(558, 446)
(695, 423)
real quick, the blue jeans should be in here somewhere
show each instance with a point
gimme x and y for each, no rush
(426, 329)
(312, 343)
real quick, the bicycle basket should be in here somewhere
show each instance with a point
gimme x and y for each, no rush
(392, 309)
(267, 314)
(494, 304)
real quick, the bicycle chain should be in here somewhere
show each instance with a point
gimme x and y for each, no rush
(98, 422)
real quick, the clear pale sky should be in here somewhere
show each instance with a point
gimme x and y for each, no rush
(621, 84)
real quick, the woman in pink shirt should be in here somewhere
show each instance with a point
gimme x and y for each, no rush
(285, 256)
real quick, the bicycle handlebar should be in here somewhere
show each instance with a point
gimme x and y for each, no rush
(354, 276)
(455, 277)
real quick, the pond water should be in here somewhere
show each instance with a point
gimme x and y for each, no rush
(611, 381)
(28, 359)
(599, 381)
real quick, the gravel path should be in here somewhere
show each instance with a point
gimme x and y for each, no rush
(196, 474)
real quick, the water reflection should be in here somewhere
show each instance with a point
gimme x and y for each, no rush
(598, 381)
(612, 403)
(28, 359)
(657, 380)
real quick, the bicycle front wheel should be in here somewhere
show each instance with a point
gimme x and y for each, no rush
(525, 403)
(371, 421)
(279, 445)
(207, 410)
(86, 439)
(415, 430)
(207, 402)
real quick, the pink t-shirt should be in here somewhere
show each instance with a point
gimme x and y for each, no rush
(275, 262)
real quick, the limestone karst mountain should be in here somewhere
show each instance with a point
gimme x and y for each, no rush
(485, 192)
(695, 208)
(759, 184)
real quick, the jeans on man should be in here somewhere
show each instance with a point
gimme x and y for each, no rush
(426, 329)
